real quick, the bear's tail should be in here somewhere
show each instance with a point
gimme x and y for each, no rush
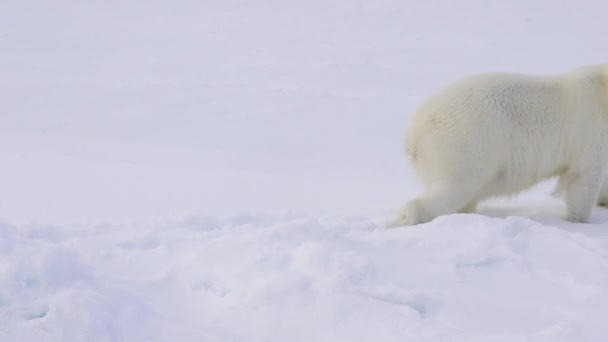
(410, 148)
(411, 141)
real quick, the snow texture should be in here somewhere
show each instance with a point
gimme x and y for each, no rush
(298, 278)
(225, 170)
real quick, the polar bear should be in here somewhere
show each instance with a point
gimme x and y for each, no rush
(498, 134)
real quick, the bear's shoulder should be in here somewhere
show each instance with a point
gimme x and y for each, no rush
(595, 75)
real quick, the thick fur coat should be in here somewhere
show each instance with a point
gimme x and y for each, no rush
(498, 134)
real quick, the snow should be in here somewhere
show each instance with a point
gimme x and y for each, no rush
(300, 278)
(224, 171)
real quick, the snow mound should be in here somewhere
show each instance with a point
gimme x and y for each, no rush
(298, 278)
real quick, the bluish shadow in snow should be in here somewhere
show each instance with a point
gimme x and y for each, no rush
(490, 261)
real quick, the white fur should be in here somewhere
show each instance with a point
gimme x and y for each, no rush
(498, 134)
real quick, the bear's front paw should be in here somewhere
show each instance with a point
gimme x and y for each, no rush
(574, 218)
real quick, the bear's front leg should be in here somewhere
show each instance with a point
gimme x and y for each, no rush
(582, 190)
(602, 199)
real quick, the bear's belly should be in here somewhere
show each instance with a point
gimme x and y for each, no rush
(512, 180)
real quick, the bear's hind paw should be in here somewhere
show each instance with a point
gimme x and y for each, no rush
(409, 215)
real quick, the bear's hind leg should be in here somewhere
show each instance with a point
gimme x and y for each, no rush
(469, 208)
(442, 198)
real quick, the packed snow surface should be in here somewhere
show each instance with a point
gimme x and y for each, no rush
(225, 171)
(299, 278)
